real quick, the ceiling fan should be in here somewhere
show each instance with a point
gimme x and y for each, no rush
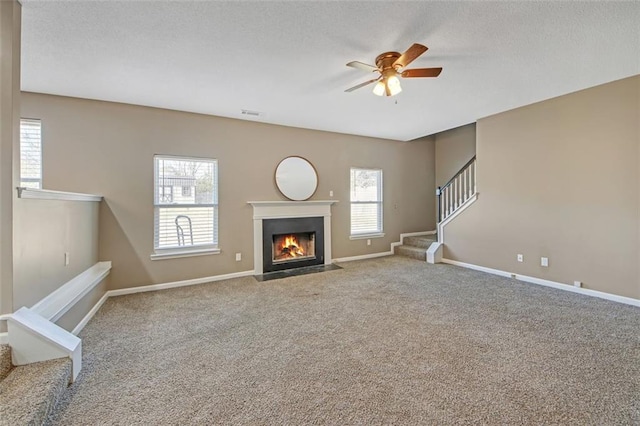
(389, 65)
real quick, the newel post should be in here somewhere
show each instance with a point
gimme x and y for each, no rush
(438, 192)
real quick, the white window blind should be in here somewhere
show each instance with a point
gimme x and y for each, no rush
(366, 201)
(185, 218)
(30, 153)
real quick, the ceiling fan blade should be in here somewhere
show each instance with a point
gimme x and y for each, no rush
(362, 66)
(421, 72)
(410, 55)
(351, 89)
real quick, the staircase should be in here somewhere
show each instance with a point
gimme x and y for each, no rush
(455, 193)
(415, 247)
(29, 393)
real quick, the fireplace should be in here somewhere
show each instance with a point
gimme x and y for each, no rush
(292, 243)
(266, 214)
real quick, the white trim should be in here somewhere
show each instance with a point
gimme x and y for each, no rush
(548, 283)
(366, 236)
(418, 234)
(434, 253)
(33, 338)
(184, 283)
(290, 203)
(288, 209)
(56, 304)
(363, 256)
(176, 254)
(78, 328)
(449, 218)
(47, 194)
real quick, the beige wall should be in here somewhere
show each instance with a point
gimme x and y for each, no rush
(107, 149)
(454, 148)
(43, 231)
(10, 18)
(559, 179)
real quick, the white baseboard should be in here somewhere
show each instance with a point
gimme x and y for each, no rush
(363, 256)
(184, 283)
(548, 283)
(477, 268)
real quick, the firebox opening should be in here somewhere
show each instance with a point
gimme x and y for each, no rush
(307, 249)
(293, 247)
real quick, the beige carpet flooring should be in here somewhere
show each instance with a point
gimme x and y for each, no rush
(384, 341)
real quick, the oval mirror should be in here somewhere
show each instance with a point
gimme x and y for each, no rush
(296, 178)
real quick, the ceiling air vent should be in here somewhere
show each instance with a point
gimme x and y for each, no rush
(251, 113)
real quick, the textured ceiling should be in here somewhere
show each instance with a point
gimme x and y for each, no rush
(287, 59)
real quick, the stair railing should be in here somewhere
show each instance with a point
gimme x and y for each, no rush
(457, 191)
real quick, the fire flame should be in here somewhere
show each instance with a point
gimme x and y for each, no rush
(291, 246)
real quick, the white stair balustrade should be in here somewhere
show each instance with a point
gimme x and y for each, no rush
(455, 193)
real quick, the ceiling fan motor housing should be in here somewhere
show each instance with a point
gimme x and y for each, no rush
(385, 61)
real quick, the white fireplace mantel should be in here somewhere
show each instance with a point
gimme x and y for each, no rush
(287, 209)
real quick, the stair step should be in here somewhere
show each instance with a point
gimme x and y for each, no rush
(423, 241)
(5, 361)
(30, 392)
(413, 252)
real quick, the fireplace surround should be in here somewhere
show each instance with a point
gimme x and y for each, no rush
(302, 211)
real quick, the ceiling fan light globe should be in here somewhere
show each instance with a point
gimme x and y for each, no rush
(379, 88)
(394, 85)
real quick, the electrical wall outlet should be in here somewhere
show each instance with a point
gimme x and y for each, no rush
(544, 261)
(330, 193)
(520, 258)
(368, 242)
(238, 257)
(577, 284)
(66, 258)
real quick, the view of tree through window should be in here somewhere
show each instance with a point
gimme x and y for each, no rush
(186, 202)
(366, 201)
(30, 153)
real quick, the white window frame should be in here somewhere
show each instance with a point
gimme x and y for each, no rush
(39, 179)
(380, 203)
(188, 251)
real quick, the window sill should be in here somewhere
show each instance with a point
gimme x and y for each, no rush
(366, 236)
(176, 254)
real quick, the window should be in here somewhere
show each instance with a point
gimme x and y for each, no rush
(366, 202)
(30, 153)
(186, 191)
(185, 225)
